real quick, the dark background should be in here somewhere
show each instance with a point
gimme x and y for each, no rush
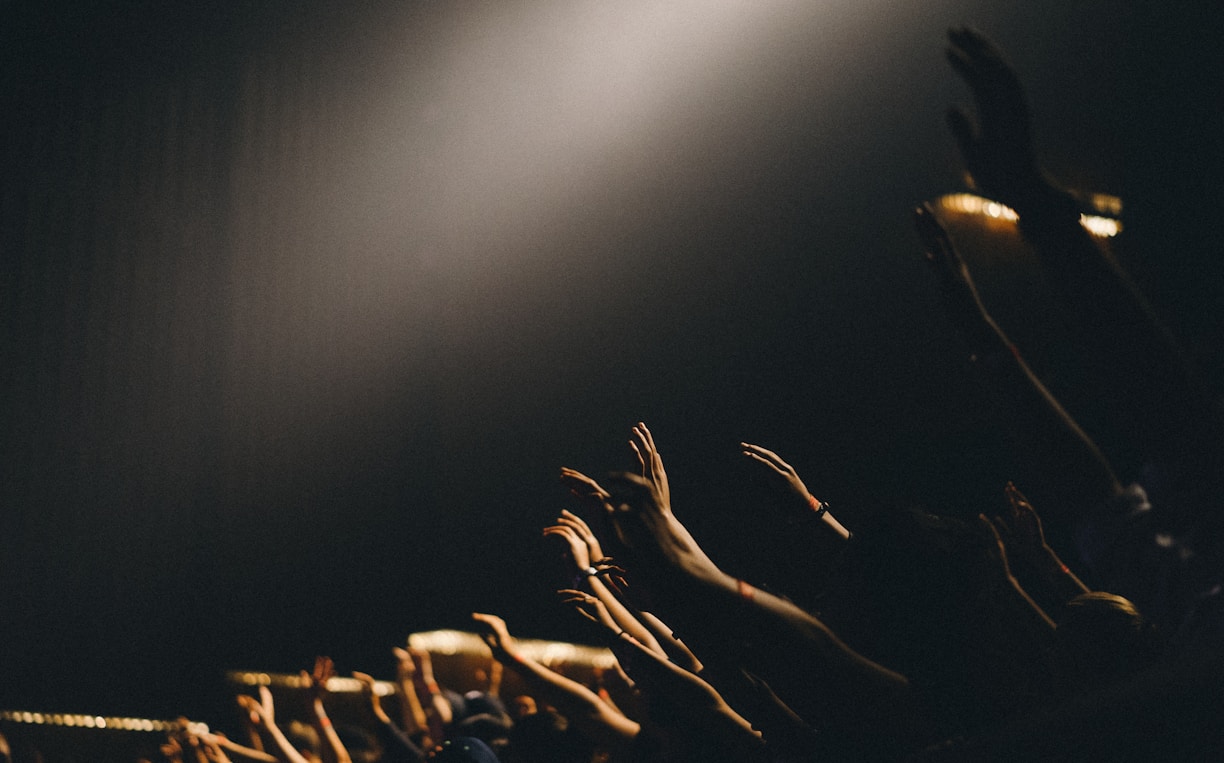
(304, 304)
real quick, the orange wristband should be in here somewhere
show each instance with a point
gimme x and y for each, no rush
(820, 507)
(746, 591)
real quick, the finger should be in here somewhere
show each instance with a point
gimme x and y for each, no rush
(760, 451)
(964, 65)
(574, 518)
(637, 452)
(974, 42)
(765, 461)
(654, 449)
(646, 436)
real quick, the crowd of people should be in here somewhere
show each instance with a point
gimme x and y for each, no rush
(916, 634)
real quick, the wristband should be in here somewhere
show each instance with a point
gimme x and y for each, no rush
(433, 687)
(325, 722)
(820, 507)
(746, 591)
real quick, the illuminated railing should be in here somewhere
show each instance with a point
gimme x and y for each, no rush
(544, 652)
(70, 720)
(335, 684)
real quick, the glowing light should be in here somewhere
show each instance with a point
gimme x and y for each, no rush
(86, 721)
(1100, 226)
(1097, 225)
(1106, 204)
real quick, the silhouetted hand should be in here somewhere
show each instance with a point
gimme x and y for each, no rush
(498, 637)
(998, 147)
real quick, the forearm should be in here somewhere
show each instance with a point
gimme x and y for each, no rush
(1050, 443)
(410, 707)
(621, 614)
(1059, 577)
(1142, 366)
(675, 649)
(591, 715)
(794, 652)
(332, 748)
(247, 753)
(689, 698)
(287, 750)
(397, 746)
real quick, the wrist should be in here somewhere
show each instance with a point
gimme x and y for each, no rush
(820, 507)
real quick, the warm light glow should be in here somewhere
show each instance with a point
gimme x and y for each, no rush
(404, 209)
(544, 652)
(87, 721)
(1102, 227)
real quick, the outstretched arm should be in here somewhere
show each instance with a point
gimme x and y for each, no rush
(265, 711)
(439, 705)
(789, 478)
(1146, 371)
(413, 714)
(1051, 443)
(397, 746)
(854, 693)
(583, 548)
(1020, 528)
(583, 707)
(316, 684)
(700, 707)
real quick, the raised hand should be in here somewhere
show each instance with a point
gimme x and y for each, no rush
(584, 488)
(575, 523)
(595, 497)
(591, 608)
(1021, 526)
(646, 523)
(368, 691)
(651, 462)
(498, 637)
(424, 661)
(316, 680)
(998, 146)
(405, 668)
(577, 547)
(784, 471)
